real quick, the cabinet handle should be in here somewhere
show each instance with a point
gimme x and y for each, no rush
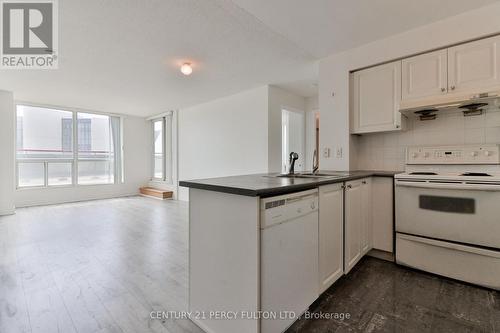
(443, 89)
(363, 182)
(452, 87)
(349, 186)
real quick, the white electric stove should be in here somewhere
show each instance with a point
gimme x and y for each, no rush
(448, 212)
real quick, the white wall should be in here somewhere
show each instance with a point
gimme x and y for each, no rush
(279, 99)
(294, 139)
(334, 72)
(137, 166)
(312, 108)
(7, 171)
(228, 136)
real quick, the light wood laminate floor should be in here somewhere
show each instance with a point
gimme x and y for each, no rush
(99, 266)
(103, 266)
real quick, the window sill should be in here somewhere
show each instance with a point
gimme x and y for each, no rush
(62, 186)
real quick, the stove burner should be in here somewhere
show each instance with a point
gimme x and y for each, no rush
(476, 174)
(423, 173)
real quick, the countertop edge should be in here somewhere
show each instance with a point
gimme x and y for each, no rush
(285, 189)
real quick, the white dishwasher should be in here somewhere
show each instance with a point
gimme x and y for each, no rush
(289, 257)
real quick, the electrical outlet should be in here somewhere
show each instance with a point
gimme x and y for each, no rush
(326, 152)
(338, 152)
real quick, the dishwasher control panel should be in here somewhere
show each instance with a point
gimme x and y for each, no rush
(280, 209)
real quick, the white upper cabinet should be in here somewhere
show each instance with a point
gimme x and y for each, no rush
(474, 67)
(425, 75)
(375, 99)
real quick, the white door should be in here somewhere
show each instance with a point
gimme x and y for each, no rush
(293, 138)
(376, 98)
(425, 75)
(331, 218)
(474, 67)
(353, 218)
(366, 225)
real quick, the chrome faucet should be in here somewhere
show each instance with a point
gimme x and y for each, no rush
(293, 158)
(315, 161)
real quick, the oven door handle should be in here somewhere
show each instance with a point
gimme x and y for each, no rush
(450, 186)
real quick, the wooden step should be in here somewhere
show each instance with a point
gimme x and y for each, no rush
(156, 193)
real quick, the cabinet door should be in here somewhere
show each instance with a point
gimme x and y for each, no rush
(331, 231)
(353, 218)
(474, 67)
(425, 75)
(366, 209)
(376, 97)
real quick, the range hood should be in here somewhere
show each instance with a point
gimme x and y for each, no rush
(468, 104)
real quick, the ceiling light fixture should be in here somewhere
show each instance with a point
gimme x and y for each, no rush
(186, 68)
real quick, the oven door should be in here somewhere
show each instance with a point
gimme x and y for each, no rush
(461, 212)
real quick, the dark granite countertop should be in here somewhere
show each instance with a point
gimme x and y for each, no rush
(267, 184)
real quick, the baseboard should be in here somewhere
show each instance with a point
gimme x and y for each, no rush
(60, 202)
(384, 255)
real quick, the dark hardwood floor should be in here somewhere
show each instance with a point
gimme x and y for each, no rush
(103, 266)
(383, 297)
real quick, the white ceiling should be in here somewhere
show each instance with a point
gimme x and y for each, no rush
(323, 27)
(124, 55)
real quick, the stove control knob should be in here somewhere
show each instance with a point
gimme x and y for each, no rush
(426, 154)
(473, 154)
(487, 153)
(414, 155)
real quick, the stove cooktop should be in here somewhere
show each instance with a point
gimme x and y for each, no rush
(457, 175)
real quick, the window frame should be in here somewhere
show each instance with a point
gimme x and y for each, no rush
(166, 120)
(118, 177)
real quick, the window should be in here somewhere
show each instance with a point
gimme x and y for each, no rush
(158, 149)
(95, 149)
(162, 160)
(49, 153)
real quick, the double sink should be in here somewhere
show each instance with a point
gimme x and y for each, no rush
(314, 175)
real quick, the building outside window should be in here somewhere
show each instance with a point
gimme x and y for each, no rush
(49, 153)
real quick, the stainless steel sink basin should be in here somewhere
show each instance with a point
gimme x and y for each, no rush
(330, 174)
(314, 175)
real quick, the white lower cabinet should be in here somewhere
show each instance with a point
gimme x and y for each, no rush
(353, 217)
(331, 231)
(358, 221)
(367, 218)
(383, 213)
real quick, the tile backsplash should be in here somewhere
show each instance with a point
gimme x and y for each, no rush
(386, 151)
